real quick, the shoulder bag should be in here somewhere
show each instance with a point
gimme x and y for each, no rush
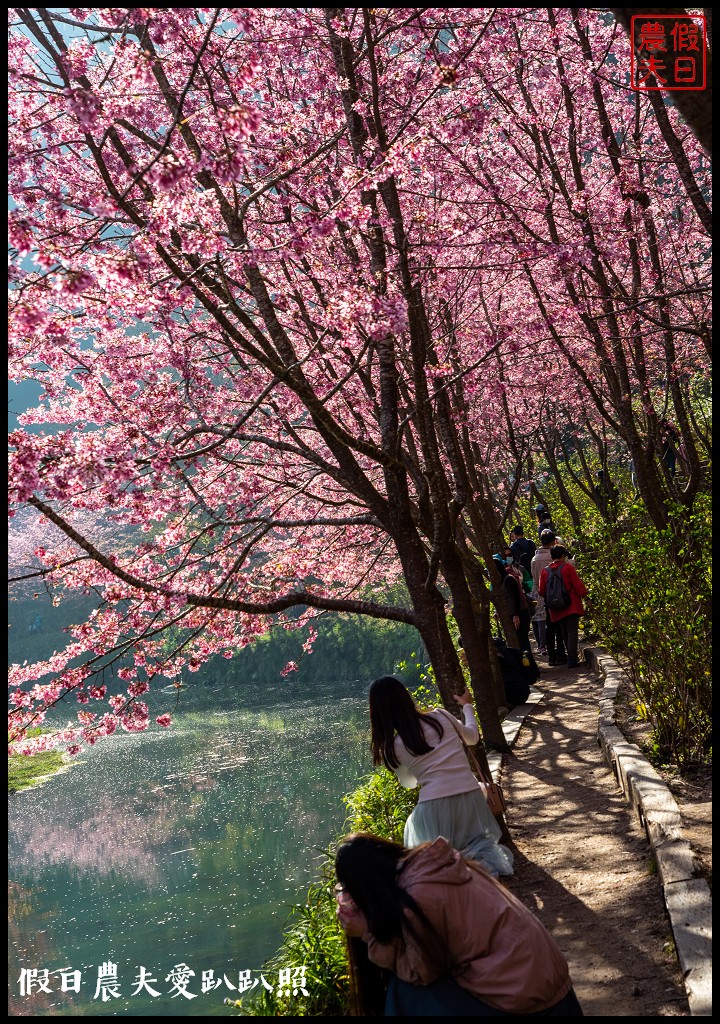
(492, 791)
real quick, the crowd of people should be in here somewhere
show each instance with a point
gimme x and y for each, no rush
(555, 628)
(431, 928)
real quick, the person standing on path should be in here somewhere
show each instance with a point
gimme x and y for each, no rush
(544, 519)
(521, 574)
(552, 633)
(515, 596)
(569, 617)
(523, 549)
(426, 749)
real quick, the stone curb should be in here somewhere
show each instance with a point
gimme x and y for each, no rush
(511, 724)
(687, 898)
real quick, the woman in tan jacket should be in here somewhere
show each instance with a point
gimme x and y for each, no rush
(433, 934)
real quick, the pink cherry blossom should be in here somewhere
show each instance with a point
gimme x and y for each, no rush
(298, 290)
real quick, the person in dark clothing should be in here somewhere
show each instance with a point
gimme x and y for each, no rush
(544, 518)
(522, 547)
(519, 671)
(669, 441)
(517, 603)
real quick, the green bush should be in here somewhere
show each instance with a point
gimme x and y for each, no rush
(380, 805)
(653, 611)
(312, 940)
(651, 594)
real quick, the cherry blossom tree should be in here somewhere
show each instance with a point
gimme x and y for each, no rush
(284, 453)
(284, 276)
(696, 106)
(624, 309)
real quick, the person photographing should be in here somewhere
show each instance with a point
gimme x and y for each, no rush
(431, 933)
(426, 749)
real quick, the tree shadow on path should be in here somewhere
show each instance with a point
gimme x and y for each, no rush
(582, 861)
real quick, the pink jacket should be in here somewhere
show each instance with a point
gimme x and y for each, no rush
(497, 949)
(574, 585)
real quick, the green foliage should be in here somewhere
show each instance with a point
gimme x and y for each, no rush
(312, 938)
(419, 677)
(653, 610)
(427, 695)
(348, 648)
(380, 805)
(651, 594)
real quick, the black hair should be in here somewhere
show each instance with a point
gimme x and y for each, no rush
(368, 982)
(393, 711)
(369, 867)
(557, 551)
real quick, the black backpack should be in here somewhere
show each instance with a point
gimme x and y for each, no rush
(517, 676)
(526, 550)
(557, 597)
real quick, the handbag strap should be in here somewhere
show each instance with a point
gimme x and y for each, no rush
(468, 750)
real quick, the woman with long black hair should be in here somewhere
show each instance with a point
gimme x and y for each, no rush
(425, 749)
(433, 934)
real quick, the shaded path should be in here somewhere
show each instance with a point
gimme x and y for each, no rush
(583, 862)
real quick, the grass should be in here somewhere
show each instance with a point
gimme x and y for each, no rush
(26, 771)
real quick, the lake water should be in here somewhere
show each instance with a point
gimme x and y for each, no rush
(175, 851)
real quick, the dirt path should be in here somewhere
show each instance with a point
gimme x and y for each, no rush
(583, 862)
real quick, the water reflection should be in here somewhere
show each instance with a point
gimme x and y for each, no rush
(184, 845)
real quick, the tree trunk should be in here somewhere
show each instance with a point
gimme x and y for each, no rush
(476, 651)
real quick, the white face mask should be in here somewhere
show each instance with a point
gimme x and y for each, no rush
(509, 561)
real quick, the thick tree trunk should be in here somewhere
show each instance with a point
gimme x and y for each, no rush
(476, 653)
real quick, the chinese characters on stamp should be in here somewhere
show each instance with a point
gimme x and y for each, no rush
(668, 52)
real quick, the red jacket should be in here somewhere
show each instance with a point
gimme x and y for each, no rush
(574, 586)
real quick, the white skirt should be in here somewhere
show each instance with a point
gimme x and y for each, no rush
(467, 823)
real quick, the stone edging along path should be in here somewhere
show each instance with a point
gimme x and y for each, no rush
(687, 898)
